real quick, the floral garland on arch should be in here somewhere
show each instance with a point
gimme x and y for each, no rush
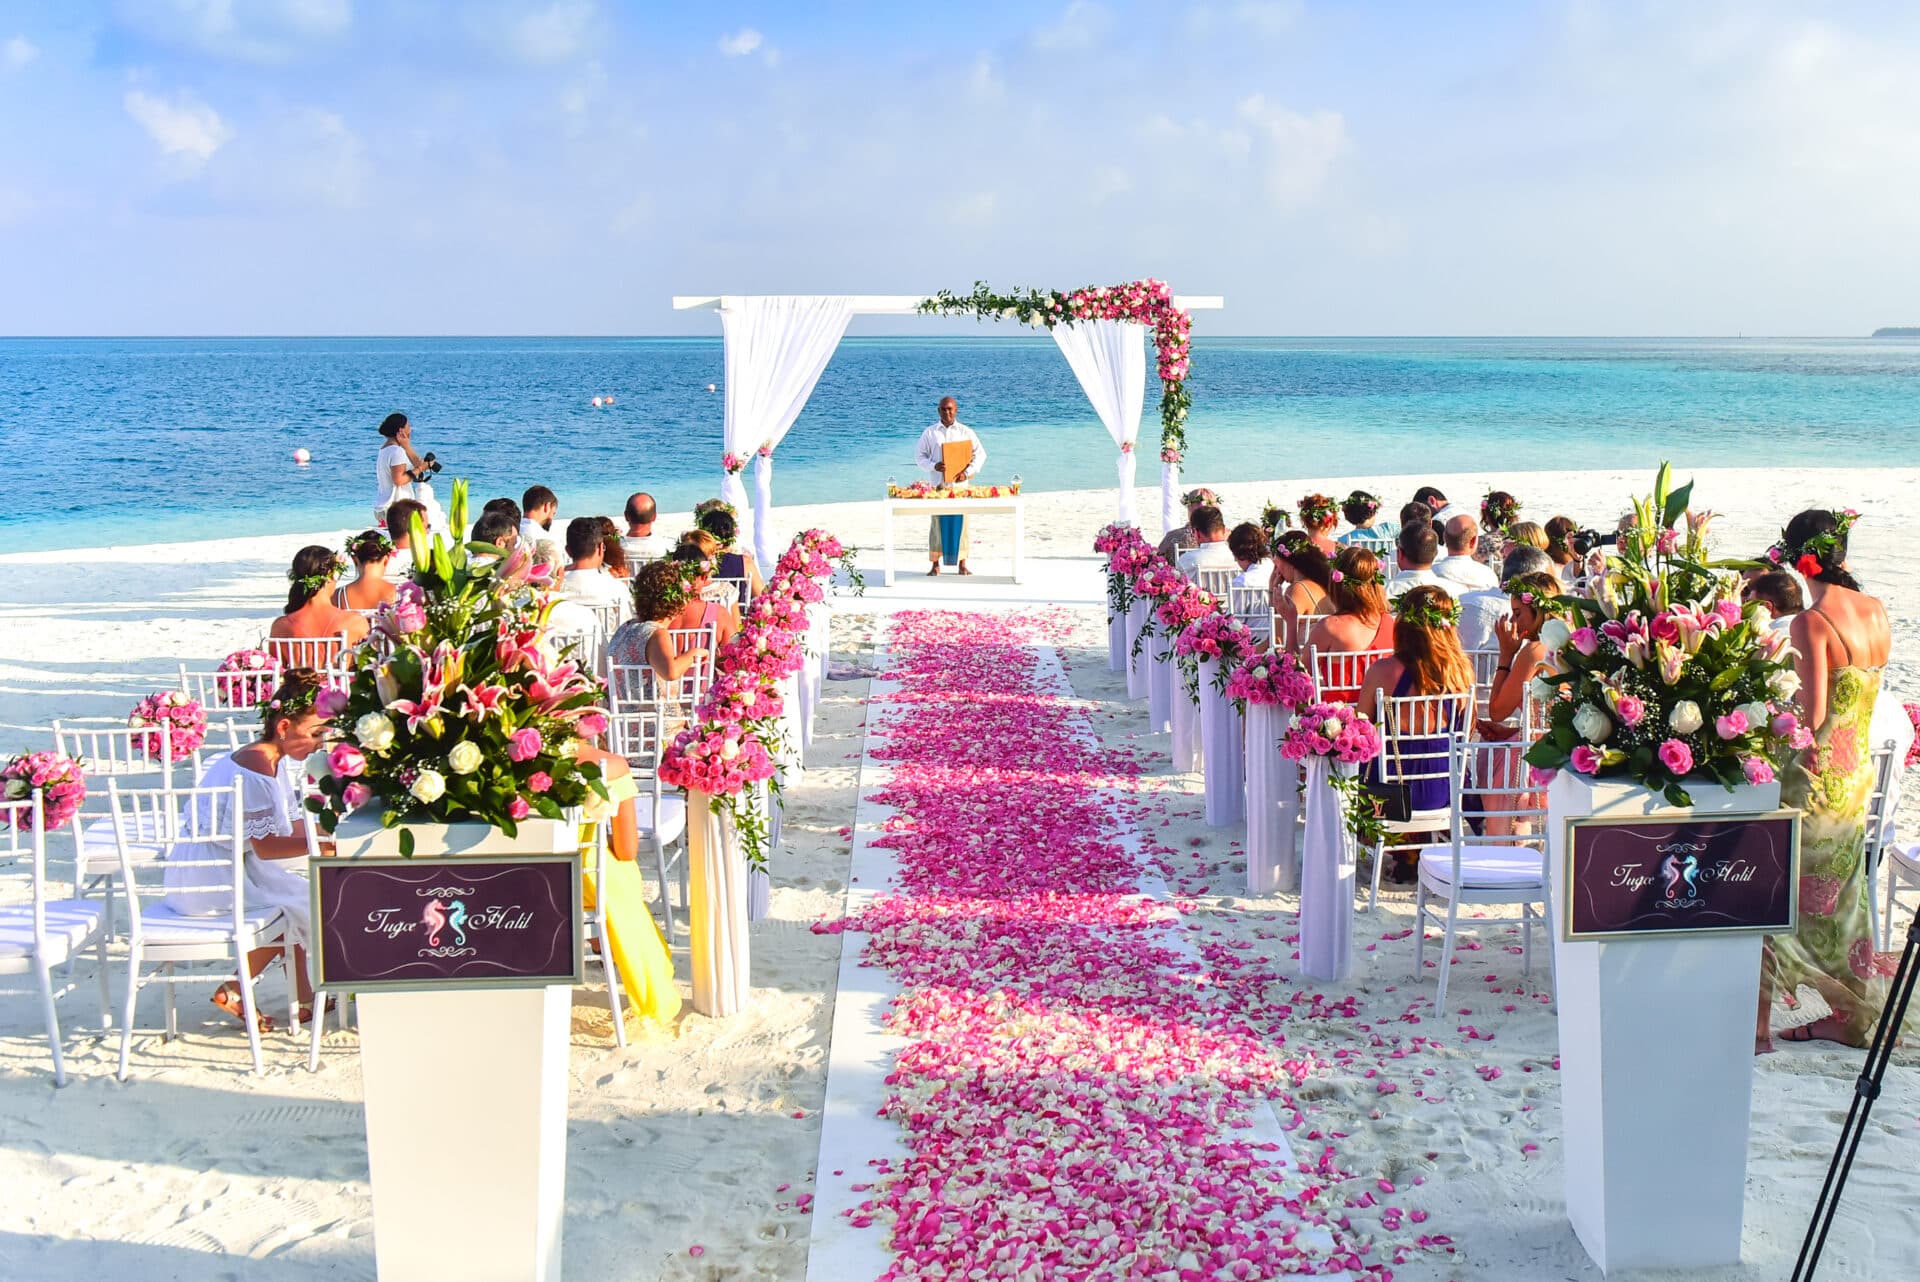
(1144, 302)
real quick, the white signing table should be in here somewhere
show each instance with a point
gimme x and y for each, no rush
(1009, 505)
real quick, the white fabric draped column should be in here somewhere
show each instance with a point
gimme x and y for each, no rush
(717, 910)
(1171, 515)
(1110, 360)
(791, 759)
(1161, 679)
(1273, 803)
(1187, 748)
(1326, 878)
(775, 350)
(819, 639)
(1223, 749)
(1116, 640)
(1138, 655)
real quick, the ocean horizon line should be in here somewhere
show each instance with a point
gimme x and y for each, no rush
(1012, 332)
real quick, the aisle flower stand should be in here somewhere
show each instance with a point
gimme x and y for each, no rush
(1273, 803)
(1327, 875)
(1138, 656)
(722, 955)
(1116, 640)
(1223, 748)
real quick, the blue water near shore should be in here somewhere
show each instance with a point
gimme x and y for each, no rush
(131, 440)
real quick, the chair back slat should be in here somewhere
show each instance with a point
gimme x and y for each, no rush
(201, 868)
(689, 640)
(1880, 805)
(323, 654)
(23, 840)
(742, 590)
(1339, 674)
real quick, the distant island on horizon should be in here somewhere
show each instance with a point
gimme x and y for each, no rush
(1897, 331)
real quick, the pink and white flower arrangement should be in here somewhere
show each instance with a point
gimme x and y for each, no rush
(1216, 636)
(1270, 680)
(185, 719)
(255, 675)
(60, 779)
(733, 464)
(1339, 733)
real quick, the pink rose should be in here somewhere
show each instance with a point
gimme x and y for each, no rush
(524, 745)
(1586, 759)
(592, 725)
(1758, 771)
(356, 795)
(330, 703)
(539, 781)
(1631, 710)
(1665, 627)
(1728, 612)
(1677, 757)
(346, 761)
(1540, 778)
(518, 809)
(1785, 724)
(1732, 725)
(1585, 640)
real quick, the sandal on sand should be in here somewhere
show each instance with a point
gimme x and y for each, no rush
(306, 1012)
(227, 998)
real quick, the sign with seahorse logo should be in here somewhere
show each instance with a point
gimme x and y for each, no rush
(1682, 875)
(443, 923)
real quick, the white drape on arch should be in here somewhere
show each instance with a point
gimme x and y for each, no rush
(1110, 360)
(776, 348)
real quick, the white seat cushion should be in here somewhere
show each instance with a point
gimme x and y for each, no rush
(670, 824)
(161, 925)
(1483, 869)
(1907, 855)
(1423, 821)
(100, 853)
(69, 922)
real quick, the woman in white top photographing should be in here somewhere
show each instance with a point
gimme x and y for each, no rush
(398, 466)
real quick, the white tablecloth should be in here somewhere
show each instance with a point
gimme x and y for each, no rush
(1273, 803)
(1222, 748)
(1326, 878)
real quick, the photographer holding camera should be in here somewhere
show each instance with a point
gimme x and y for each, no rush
(399, 472)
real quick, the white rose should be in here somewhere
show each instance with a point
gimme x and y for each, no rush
(465, 757)
(747, 698)
(1554, 633)
(1755, 713)
(596, 807)
(1762, 618)
(374, 731)
(429, 787)
(1332, 727)
(1784, 684)
(1542, 691)
(1260, 673)
(729, 750)
(1592, 724)
(1685, 717)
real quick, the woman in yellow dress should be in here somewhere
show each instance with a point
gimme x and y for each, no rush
(640, 952)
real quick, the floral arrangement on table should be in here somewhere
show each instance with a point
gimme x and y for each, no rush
(468, 713)
(733, 464)
(1145, 302)
(184, 718)
(1664, 676)
(1218, 635)
(1339, 732)
(61, 780)
(249, 676)
(1498, 510)
(928, 490)
(1270, 680)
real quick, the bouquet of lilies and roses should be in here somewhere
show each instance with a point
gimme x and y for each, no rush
(1338, 732)
(1270, 680)
(1664, 676)
(60, 780)
(185, 719)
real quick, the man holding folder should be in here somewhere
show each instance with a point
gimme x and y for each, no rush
(949, 454)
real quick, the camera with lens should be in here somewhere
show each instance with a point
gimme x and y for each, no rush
(428, 466)
(1585, 541)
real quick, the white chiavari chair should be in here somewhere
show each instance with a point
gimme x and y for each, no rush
(323, 654)
(742, 589)
(608, 615)
(594, 919)
(1486, 672)
(1881, 846)
(693, 686)
(1339, 674)
(203, 917)
(1505, 862)
(1381, 545)
(341, 1000)
(1252, 606)
(1217, 583)
(1416, 752)
(41, 933)
(640, 708)
(114, 753)
(232, 703)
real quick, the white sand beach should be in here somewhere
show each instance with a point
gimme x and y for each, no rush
(706, 1134)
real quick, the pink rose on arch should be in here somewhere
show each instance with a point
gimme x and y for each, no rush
(330, 703)
(1586, 641)
(356, 795)
(1677, 757)
(525, 744)
(1586, 759)
(1758, 771)
(1732, 725)
(346, 761)
(518, 809)
(1820, 895)
(539, 781)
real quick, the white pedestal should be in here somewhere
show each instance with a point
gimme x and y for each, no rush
(1224, 750)
(1116, 642)
(508, 1186)
(759, 894)
(1138, 652)
(1326, 878)
(1185, 716)
(721, 958)
(1160, 682)
(1656, 1062)
(1273, 803)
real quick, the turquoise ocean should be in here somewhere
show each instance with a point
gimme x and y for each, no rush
(142, 440)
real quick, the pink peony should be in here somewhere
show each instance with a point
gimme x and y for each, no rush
(539, 781)
(1758, 771)
(1732, 725)
(1677, 757)
(525, 744)
(346, 761)
(1585, 759)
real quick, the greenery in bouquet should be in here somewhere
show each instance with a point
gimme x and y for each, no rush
(1127, 552)
(1216, 635)
(464, 711)
(1663, 676)
(1340, 733)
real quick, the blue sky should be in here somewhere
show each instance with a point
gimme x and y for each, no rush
(563, 166)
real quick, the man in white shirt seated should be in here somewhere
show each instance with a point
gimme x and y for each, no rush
(1458, 567)
(1480, 610)
(640, 543)
(1209, 550)
(400, 516)
(1437, 503)
(587, 580)
(1416, 550)
(537, 509)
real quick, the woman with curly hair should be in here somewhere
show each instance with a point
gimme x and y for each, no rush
(660, 589)
(1318, 515)
(372, 589)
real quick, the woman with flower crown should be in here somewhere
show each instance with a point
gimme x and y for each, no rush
(1360, 620)
(310, 611)
(1319, 514)
(1842, 642)
(372, 589)
(1522, 655)
(1297, 590)
(274, 827)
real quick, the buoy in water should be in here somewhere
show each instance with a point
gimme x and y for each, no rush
(609, 400)
(301, 457)
(596, 402)
(713, 387)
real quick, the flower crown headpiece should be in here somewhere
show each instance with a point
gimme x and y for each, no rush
(1811, 556)
(1194, 498)
(1272, 517)
(1499, 515)
(1517, 588)
(714, 505)
(1362, 499)
(1378, 578)
(292, 704)
(1317, 509)
(373, 541)
(318, 579)
(1286, 542)
(1428, 613)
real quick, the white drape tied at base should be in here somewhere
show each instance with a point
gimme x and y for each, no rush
(819, 639)
(1221, 747)
(1273, 803)
(1326, 877)
(1110, 359)
(1187, 748)
(776, 348)
(1137, 650)
(717, 914)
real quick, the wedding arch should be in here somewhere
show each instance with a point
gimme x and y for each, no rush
(777, 345)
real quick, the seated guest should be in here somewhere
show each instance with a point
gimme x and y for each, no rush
(1298, 591)
(1409, 513)
(718, 519)
(1437, 503)
(508, 506)
(1248, 543)
(499, 527)
(1360, 618)
(1560, 548)
(1174, 542)
(400, 529)
(1523, 655)
(699, 610)
(1481, 610)
(1524, 534)
(1780, 592)
(1209, 550)
(1318, 515)
(587, 580)
(659, 590)
(717, 590)
(537, 506)
(613, 552)
(563, 615)
(1458, 567)
(370, 552)
(1415, 552)
(1360, 508)
(640, 542)
(310, 611)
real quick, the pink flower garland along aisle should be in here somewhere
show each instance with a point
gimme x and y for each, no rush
(1077, 1086)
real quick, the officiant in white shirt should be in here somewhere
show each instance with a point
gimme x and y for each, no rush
(947, 536)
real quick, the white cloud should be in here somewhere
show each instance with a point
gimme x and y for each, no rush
(261, 31)
(1300, 148)
(741, 43)
(983, 82)
(1268, 17)
(1083, 23)
(554, 32)
(184, 126)
(18, 52)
